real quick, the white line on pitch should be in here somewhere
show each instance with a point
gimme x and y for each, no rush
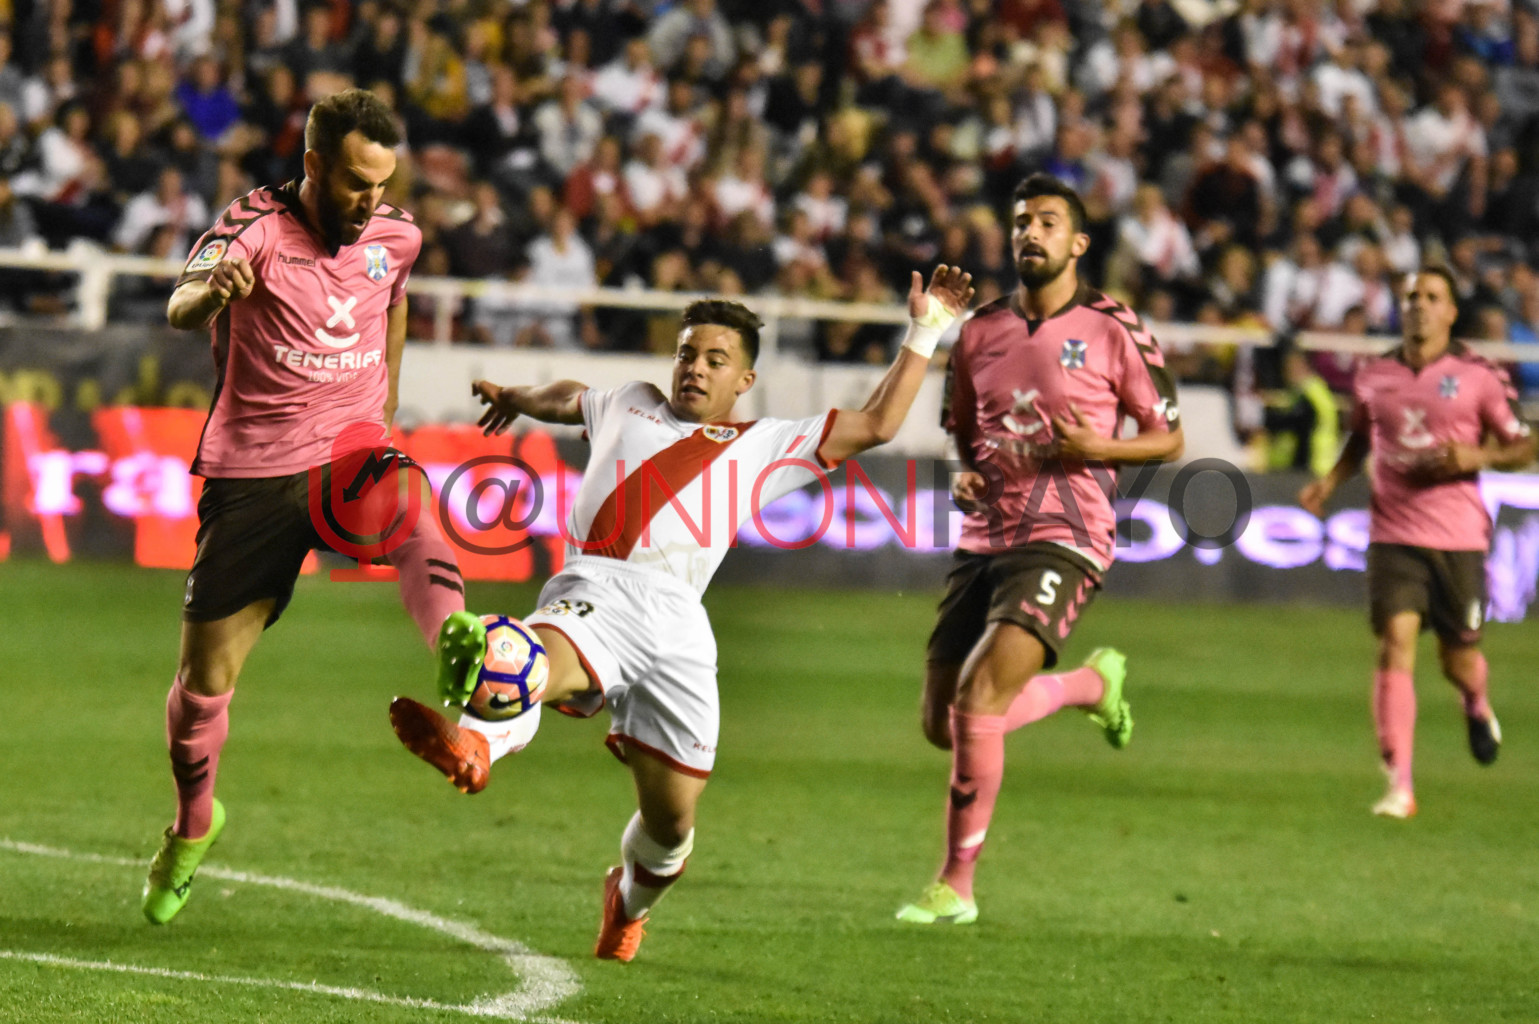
(544, 980)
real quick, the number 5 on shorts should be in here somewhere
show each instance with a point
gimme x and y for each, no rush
(1049, 588)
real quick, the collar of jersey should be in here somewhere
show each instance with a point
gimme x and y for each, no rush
(288, 195)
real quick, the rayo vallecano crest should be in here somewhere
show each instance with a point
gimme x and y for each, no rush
(374, 262)
(721, 435)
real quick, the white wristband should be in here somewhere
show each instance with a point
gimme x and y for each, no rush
(924, 333)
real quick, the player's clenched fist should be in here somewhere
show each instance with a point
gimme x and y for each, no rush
(232, 279)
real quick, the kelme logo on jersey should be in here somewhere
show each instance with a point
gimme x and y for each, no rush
(209, 256)
(374, 262)
(1073, 355)
(1448, 387)
(721, 435)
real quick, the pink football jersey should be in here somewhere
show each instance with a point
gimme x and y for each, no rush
(1009, 378)
(1407, 415)
(302, 357)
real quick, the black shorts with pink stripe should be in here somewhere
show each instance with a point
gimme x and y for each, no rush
(1042, 588)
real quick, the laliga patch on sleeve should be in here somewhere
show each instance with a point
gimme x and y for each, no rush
(208, 256)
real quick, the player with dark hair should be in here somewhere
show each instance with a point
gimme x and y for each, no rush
(668, 483)
(1433, 414)
(1038, 387)
(303, 286)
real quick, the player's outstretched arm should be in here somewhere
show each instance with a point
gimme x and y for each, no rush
(560, 402)
(930, 312)
(195, 304)
(1317, 492)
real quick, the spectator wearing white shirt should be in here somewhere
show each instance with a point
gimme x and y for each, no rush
(800, 243)
(1261, 30)
(1327, 178)
(1122, 55)
(1154, 243)
(1342, 76)
(46, 92)
(1444, 143)
(561, 259)
(1402, 250)
(744, 189)
(170, 217)
(630, 84)
(1291, 286)
(677, 125)
(63, 156)
(568, 127)
(655, 185)
(825, 211)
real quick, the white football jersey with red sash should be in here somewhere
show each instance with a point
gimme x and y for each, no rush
(669, 495)
(657, 511)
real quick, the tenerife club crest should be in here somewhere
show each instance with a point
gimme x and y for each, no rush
(1073, 355)
(374, 262)
(1448, 387)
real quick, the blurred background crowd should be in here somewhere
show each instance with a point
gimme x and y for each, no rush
(1248, 162)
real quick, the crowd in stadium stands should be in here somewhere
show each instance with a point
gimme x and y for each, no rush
(1270, 162)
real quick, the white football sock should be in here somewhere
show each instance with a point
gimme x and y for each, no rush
(658, 863)
(507, 737)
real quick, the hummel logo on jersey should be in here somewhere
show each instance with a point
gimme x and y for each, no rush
(1073, 355)
(341, 312)
(297, 261)
(721, 435)
(1448, 387)
(374, 263)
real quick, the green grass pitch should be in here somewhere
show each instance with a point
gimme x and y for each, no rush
(1223, 868)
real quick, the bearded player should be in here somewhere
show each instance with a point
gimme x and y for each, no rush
(1039, 384)
(1433, 415)
(303, 287)
(669, 480)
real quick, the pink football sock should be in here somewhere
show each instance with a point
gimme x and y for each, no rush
(431, 585)
(196, 727)
(977, 769)
(1044, 694)
(1394, 715)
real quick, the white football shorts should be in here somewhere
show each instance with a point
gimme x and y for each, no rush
(645, 639)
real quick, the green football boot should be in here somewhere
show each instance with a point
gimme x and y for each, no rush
(1112, 712)
(170, 879)
(940, 904)
(461, 649)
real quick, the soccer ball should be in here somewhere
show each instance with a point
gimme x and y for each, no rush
(513, 675)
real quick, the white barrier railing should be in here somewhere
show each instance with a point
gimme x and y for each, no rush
(96, 270)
